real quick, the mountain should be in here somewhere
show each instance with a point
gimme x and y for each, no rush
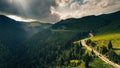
(10, 29)
(88, 23)
(29, 27)
(106, 36)
(53, 47)
(111, 32)
(13, 35)
(37, 23)
(35, 27)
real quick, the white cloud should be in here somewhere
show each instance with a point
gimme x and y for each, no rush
(18, 18)
(79, 8)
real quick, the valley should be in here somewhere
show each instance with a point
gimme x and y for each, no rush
(43, 45)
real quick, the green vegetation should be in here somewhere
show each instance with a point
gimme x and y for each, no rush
(81, 24)
(107, 40)
(110, 46)
(59, 49)
(98, 63)
(109, 33)
(101, 40)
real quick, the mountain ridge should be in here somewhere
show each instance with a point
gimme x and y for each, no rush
(87, 22)
(59, 44)
(49, 48)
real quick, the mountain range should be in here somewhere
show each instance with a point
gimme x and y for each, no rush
(44, 45)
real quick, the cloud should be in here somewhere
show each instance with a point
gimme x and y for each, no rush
(55, 10)
(33, 9)
(80, 8)
(17, 18)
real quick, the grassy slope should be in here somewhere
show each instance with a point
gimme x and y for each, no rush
(98, 63)
(105, 34)
(102, 37)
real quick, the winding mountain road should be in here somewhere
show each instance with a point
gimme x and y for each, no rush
(102, 57)
(83, 42)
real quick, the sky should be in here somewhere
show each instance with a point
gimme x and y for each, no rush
(52, 11)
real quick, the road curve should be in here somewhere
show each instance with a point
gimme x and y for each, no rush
(102, 57)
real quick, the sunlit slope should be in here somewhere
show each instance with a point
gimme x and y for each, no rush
(110, 32)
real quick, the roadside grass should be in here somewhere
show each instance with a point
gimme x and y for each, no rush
(98, 63)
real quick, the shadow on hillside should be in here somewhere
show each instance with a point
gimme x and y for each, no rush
(116, 48)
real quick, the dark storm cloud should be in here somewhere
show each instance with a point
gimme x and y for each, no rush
(54, 10)
(41, 9)
(6, 7)
(38, 9)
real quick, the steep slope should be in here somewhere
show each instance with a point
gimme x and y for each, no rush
(13, 34)
(11, 30)
(12, 37)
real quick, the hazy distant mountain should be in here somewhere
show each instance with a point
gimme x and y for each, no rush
(28, 27)
(36, 26)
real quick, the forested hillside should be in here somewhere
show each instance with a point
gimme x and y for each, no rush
(88, 23)
(54, 46)
(13, 35)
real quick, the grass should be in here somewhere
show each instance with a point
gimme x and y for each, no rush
(74, 61)
(108, 33)
(98, 63)
(103, 40)
(107, 37)
(82, 65)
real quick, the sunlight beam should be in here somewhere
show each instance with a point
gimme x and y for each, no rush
(22, 6)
